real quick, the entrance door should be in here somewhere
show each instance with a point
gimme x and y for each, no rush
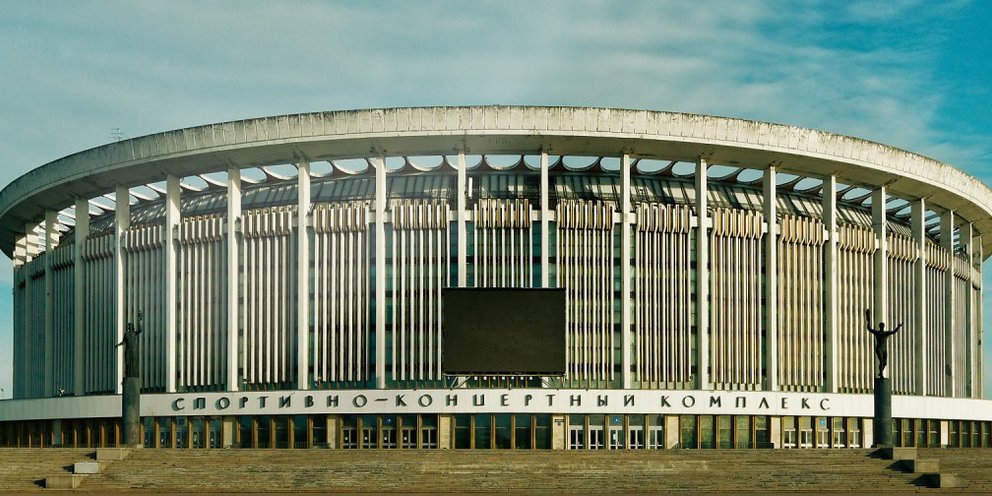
(428, 437)
(596, 437)
(576, 437)
(635, 437)
(349, 438)
(389, 437)
(408, 437)
(656, 438)
(369, 436)
(616, 437)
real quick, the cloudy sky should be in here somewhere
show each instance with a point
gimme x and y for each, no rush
(909, 73)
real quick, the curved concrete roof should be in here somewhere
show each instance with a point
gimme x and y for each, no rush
(488, 130)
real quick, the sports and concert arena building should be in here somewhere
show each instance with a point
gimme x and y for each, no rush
(289, 269)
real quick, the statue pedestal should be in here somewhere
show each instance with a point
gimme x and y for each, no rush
(883, 412)
(131, 412)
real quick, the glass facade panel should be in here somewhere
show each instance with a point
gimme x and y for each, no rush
(483, 431)
(687, 431)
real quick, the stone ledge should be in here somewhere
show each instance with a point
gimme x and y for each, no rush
(923, 466)
(111, 454)
(945, 481)
(63, 481)
(896, 454)
(87, 467)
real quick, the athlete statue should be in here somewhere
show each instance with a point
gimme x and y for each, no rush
(130, 345)
(881, 341)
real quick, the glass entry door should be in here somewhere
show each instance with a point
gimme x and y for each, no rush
(616, 437)
(596, 440)
(635, 437)
(576, 437)
(656, 437)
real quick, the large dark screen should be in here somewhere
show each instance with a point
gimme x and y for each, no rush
(503, 331)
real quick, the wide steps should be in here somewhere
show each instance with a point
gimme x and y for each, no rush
(467, 471)
(24, 469)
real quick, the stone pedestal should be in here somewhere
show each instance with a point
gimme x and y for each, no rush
(131, 406)
(883, 412)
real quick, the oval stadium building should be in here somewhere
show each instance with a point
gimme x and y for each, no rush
(289, 271)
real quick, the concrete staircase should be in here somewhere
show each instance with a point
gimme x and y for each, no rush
(592, 472)
(25, 469)
(502, 471)
(973, 464)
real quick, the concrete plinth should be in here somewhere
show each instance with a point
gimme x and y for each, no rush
(883, 412)
(63, 481)
(131, 406)
(111, 454)
(945, 481)
(87, 468)
(923, 466)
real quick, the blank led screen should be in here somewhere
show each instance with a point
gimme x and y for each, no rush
(503, 331)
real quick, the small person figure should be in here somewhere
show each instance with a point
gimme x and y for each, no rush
(130, 344)
(881, 341)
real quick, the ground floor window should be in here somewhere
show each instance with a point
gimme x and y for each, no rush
(493, 431)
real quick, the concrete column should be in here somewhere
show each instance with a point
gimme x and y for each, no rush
(51, 220)
(233, 271)
(170, 247)
(980, 323)
(461, 193)
(333, 421)
(82, 230)
(830, 320)
(380, 273)
(445, 436)
(947, 244)
(559, 436)
(775, 431)
(880, 305)
(671, 430)
(29, 389)
(965, 239)
(867, 433)
(122, 222)
(625, 274)
(303, 276)
(545, 215)
(229, 427)
(702, 279)
(920, 367)
(771, 276)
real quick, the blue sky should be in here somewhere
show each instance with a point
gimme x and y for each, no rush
(909, 73)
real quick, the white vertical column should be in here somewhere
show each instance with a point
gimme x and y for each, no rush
(947, 244)
(122, 221)
(51, 220)
(170, 249)
(771, 276)
(303, 275)
(920, 353)
(702, 278)
(979, 323)
(545, 214)
(82, 230)
(27, 389)
(380, 273)
(880, 304)
(625, 270)
(461, 195)
(233, 228)
(965, 239)
(830, 323)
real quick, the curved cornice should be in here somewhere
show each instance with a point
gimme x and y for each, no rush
(488, 130)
